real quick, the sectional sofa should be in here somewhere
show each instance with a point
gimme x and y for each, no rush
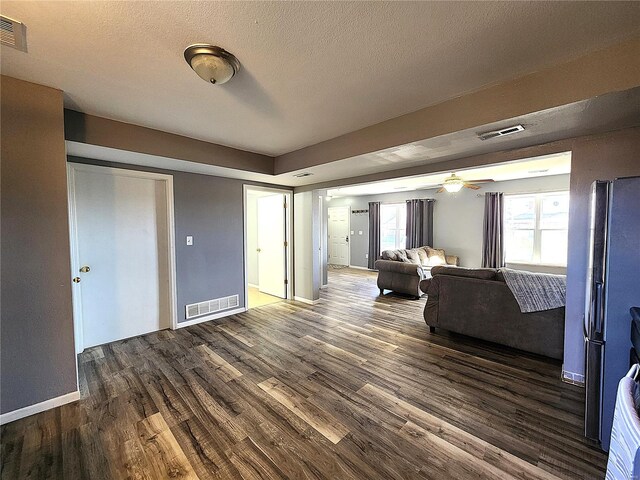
(477, 302)
(402, 270)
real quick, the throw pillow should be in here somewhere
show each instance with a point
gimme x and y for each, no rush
(413, 256)
(424, 258)
(436, 257)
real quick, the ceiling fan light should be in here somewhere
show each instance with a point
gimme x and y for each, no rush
(213, 64)
(453, 187)
(453, 183)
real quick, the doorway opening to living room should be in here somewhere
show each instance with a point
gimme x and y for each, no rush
(268, 263)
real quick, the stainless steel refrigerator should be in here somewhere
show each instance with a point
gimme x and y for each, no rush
(613, 287)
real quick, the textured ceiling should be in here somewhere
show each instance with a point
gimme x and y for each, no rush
(608, 112)
(311, 70)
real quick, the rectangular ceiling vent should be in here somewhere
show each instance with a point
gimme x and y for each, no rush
(211, 306)
(13, 33)
(303, 174)
(501, 133)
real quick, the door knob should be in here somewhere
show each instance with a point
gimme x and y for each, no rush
(85, 269)
(258, 250)
(76, 279)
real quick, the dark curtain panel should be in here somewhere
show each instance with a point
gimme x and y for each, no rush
(493, 232)
(419, 223)
(374, 233)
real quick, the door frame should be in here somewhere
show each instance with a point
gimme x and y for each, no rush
(288, 237)
(348, 207)
(72, 168)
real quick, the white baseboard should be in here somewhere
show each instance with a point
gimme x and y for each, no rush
(252, 285)
(208, 318)
(573, 378)
(306, 300)
(360, 268)
(39, 407)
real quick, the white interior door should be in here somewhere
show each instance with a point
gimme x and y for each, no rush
(121, 229)
(338, 230)
(271, 245)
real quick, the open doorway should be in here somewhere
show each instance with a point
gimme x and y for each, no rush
(267, 245)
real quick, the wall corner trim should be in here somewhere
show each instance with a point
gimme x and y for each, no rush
(306, 300)
(39, 407)
(208, 318)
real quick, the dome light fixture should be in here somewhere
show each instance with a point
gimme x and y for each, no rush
(213, 64)
(453, 183)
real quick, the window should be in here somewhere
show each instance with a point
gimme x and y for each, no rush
(393, 226)
(535, 228)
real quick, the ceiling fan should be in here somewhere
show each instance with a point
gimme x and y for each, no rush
(454, 184)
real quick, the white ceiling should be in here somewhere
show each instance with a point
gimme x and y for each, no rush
(556, 164)
(311, 70)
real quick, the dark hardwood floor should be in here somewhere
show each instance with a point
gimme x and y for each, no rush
(354, 387)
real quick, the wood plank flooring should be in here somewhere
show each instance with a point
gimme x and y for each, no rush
(354, 387)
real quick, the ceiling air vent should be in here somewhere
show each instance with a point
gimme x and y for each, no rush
(13, 33)
(303, 174)
(501, 133)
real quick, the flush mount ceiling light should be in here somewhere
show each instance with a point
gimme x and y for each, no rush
(213, 64)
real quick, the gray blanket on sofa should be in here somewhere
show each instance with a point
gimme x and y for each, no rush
(535, 292)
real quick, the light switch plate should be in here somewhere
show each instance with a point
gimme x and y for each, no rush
(351, 232)
(189, 240)
(359, 232)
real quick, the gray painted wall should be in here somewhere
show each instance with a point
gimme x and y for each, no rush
(38, 362)
(601, 157)
(458, 217)
(210, 209)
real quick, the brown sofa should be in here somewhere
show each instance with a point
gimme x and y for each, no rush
(402, 270)
(478, 303)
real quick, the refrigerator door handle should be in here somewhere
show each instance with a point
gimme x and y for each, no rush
(598, 313)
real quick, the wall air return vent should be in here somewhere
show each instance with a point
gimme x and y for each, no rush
(501, 133)
(211, 306)
(13, 33)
